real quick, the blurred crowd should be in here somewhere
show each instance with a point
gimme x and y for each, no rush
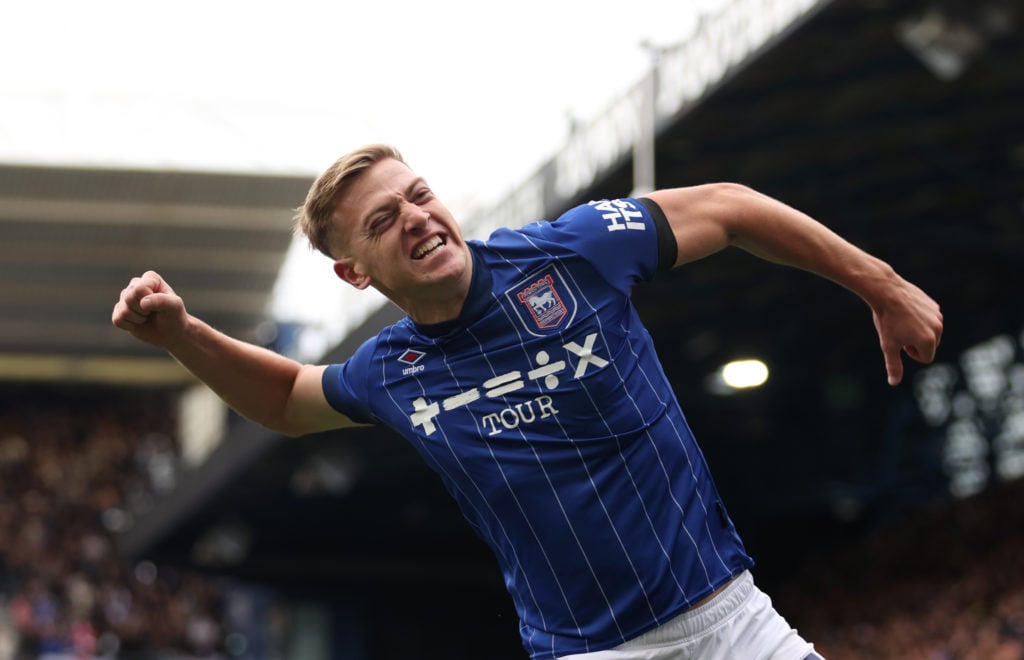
(946, 583)
(75, 468)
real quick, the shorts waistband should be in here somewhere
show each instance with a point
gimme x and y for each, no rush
(700, 620)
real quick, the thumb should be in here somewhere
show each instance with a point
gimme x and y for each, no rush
(893, 364)
(158, 302)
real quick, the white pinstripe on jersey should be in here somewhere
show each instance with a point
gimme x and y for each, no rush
(561, 441)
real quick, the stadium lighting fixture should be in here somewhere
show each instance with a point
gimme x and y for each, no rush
(737, 375)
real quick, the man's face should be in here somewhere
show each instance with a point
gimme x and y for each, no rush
(396, 236)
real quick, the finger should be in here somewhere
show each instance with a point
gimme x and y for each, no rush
(893, 365)
(134, 301)
(134, 293)
(923, 351)
(156, 302)
(133, 318)
(925, 354)
(124, 318)
(938, 335)
(154, 283)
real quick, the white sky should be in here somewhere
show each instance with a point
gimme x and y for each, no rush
(476, 95)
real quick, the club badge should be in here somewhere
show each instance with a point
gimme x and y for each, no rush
(543, 301)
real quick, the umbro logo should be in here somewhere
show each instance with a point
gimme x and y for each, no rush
(411, 357)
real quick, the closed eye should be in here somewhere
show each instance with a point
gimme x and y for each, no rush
(379, 225)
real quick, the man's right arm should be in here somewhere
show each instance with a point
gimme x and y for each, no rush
(708, 218)
(266, 387)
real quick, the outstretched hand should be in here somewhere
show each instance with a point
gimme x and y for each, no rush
(150, 310)
(907, 321)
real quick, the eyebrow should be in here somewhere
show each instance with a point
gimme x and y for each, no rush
(390, 203)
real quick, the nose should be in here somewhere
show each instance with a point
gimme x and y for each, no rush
(416, 217)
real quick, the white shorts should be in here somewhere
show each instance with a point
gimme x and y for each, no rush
(739, 622)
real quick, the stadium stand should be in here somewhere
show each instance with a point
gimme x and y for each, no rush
(75, 466)
(943, 582)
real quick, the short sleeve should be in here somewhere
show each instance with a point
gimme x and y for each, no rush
(345, 385)
(626, 240)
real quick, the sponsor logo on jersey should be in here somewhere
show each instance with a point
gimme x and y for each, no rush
(411, 357)
(621, 214)
(575, 361)
(543, 301)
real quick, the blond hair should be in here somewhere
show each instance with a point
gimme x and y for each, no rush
(315, 218)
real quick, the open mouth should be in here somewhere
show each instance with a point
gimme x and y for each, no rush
(428, 248)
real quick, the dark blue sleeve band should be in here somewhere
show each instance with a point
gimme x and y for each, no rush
(668, 250)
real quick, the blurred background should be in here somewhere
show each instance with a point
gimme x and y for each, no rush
(141, 519)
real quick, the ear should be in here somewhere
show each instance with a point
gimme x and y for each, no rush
(346, 270)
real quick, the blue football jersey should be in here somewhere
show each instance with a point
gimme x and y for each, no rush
(545, 411)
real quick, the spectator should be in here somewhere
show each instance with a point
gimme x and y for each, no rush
(69, 464)
(946, 584)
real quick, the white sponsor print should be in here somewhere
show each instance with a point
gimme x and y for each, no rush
(511, 417)
(620, 214)
(521, 413)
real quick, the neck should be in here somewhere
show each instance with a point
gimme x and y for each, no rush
(437, 310)
(442, 302)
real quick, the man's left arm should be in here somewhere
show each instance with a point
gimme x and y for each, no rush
(708, 218)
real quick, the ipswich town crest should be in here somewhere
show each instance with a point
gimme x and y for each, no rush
(543, 301)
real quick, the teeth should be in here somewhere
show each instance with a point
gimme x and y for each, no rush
(427, 247)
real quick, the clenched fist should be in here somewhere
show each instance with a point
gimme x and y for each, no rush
(151, 311)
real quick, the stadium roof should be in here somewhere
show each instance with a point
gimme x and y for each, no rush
(897, 123)
(72, 238)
